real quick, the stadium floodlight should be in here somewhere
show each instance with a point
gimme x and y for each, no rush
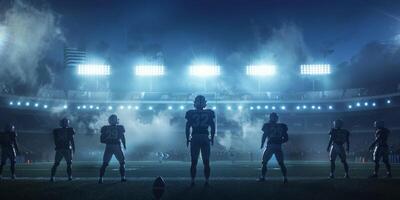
(261, 70)
(388, 101)
(204, 70)
(94, 70)
(45, 106)
(297, 107)
(313, 107)
(18, 103)
(366, 104)
(374, 104)
(181, 107)
(129, 107)
(273, 107)
(11, 103)
(110, 107)
(169, 107)
(229, 107)
(251, 108)
(304, 107)
(65, 106)
(121, 107)
(319, 107)
(91, 106)
(214, 108)
(240, 107)
(149, 70)
(36, 105)
(78, 107)
(136, 107)
(358, 104)
(150, 107)
(258, 107)
(283, 107)
(27, 104)
(315, 69)
(330, 107)
(97, 107)
(266, 107)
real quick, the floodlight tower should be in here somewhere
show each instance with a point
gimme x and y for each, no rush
(260, 71)
(204, 72)
(149, 71)
(315, 70)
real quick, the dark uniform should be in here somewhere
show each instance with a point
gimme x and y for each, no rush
(381, 150)
(65, 147)
(276, 133)
(338, 137)
(113, 136)
(200, 121)
(9, 148)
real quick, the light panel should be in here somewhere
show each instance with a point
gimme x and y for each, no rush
(315, 69)
(261, 70)
(94, 70)
(149, 70)
(204, 70)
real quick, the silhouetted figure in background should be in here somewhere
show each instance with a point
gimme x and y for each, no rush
(338, 137)
(65, 147)
(381, 148)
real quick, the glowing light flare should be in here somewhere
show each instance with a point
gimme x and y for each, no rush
(315, 69)
(94, 70)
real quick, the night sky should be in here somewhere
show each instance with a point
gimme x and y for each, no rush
(351, 35)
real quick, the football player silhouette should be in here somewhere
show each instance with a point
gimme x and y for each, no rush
(276, 133)
(199, 120)
(113, 135)
(65, 147)
(338, 138)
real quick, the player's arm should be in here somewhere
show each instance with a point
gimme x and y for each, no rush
(73, 141)
(212, 125)
(187, 131)
(330, 142)
(264, 136)
(375, 142)
(15, 142)
(285, 137)
(102, 135)
(123, 140)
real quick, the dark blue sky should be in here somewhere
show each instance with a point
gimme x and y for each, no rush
(226, 26)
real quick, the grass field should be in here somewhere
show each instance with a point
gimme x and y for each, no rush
(307, 180)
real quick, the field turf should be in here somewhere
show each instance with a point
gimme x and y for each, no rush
(307, 180)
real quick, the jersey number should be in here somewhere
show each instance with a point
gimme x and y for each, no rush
(112, 134)
(200, 120)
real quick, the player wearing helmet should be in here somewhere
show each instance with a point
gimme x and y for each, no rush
(113, 135)
(9, 148)
(338, 137)
(198, 136)
(65, 147)
(276, 133)
(380, 148)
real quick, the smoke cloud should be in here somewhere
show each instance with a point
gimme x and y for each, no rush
(26, 33)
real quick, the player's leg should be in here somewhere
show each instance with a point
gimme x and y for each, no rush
(266, 157)
(376, 158)
(205, 155)
(279, 157)
(332, 158)
(342, 156)
(385, 159)
(106, 159)
(119, 154)
(13, 160)
(68, 160)
(57, 160)
(194, 154)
